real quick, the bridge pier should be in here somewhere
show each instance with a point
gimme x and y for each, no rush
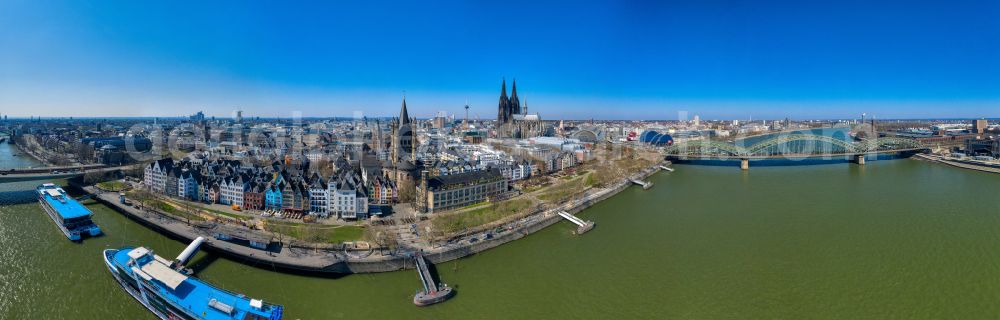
(745, 164)
(859, 159)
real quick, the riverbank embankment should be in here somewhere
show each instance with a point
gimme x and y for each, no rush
(960, 163)
(28, 151)
(309, 259)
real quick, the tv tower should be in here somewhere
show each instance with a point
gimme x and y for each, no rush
(466, 114)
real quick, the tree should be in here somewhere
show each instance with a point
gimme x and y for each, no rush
(407, 192)
(141, 196)
(311, 234)
(373, 234)
(280, 230)
(189, 210)
(137, 171)
(84, 152)
(324, 167)
(59, 159)
(382, 236)
(92, 177)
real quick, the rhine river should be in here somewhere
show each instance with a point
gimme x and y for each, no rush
(893, 239)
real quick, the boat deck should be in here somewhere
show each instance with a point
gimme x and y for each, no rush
(67, 208)
(196, 296)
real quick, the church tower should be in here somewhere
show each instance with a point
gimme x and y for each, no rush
(515, 103)
(377, 143)
(403, 136)
(504, 107)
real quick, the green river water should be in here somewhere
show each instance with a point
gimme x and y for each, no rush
(893, 239)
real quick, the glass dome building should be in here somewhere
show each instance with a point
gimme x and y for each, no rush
(656, 138)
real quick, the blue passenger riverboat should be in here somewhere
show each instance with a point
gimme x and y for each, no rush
(72, 218)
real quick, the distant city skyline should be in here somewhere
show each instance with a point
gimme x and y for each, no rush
(601, 60)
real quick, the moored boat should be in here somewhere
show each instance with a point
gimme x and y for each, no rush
(72, 218)
(170, 292)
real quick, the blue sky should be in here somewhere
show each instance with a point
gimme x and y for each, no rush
(572, 60)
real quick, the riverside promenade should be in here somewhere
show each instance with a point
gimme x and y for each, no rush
(960, 163)
(284, 258)
(311, 260)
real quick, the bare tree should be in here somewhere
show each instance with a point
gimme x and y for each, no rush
(312, 234)
(279, 230)
(324, 167)
(92, 177)
(189, 209)
(142, 196)
(407, 192)
(84, 152)
(136, 171)
(381, 236)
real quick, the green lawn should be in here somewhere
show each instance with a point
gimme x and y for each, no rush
(475, 205)
(210, 210)
(315, 232)
(170, 209)
(346, 233)
(114, 185)
(564, 190)
(162, 206)
(460, 221)
(228, 214)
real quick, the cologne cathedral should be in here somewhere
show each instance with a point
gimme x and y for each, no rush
(513, 121)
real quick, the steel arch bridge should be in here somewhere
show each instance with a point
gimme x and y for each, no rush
(794, 144)
(706, 147)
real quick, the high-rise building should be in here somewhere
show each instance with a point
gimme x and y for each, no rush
(979, 126)
(198, 117)
(439, 120)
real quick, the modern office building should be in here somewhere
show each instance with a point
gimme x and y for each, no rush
(459, 190)
(979, 126)
(989, 147)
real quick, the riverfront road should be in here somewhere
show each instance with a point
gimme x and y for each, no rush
(49, 173)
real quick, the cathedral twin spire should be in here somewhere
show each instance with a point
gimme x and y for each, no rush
(508, 107)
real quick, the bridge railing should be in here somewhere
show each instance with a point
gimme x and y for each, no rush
(796, 144)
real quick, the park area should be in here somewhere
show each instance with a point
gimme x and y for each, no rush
(607, 165)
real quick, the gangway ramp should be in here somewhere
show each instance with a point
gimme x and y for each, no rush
(582, 226)
(645, 184)
(432, 293)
